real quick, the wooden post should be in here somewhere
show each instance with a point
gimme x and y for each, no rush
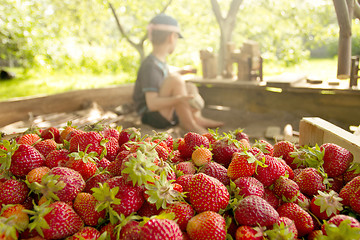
(228, 72)
(354, 75)
(209, 64)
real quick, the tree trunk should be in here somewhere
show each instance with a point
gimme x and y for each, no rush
(227, 26)
(344, 13)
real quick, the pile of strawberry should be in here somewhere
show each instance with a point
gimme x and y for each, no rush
(113, 183)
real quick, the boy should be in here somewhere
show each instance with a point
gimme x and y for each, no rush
(162, 98)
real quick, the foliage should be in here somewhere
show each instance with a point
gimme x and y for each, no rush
(82, 36)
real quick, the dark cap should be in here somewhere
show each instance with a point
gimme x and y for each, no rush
(163, 22)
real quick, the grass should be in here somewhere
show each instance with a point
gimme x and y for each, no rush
(34, 84)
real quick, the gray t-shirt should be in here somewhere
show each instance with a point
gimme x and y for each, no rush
(151, 75)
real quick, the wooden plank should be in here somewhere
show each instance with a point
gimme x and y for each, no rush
(107, 98)
(316, 130)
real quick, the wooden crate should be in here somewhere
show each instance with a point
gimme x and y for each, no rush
(314, 130)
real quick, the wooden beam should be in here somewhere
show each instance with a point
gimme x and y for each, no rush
(318, 131)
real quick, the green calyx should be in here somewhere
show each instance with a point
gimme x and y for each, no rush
(125, 220)
(161, 192)
(7, 229)
(343, 231)
(5, 155)
(308, 156)
(106, 197)
(140, 169)
(84, 156)
(48, 187)
(329, 202)
(280, 232)
(37, 220)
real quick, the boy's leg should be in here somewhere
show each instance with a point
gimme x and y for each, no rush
(174, 85)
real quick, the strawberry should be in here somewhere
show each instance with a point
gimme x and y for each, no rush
(102, 164)
(326, 205)
(24, 159)
(207, 225)
(243, 164)
(162, 152)
(184, 149)
(207, 193)
(84, 206)
(272, 170)
(108, 132)
(201, 156)
(239, 134)
(28, 139)
(51, 133)
(248, 233)
(193, 140)
(112, 148)
(86, 233)
(187, 167)
(302, 219)
(66, 131)
(303, 201)
(346, 193)
(131, 196)
(265, 147)
(83, 162)
(341, 227)
(110, 231)
(284, 149)
(89, 141)
(128, 134)
(15, 216)
(36, 174)
(216, 170)
(316, 234)
(45, 146)
(55, 221)
(310, 181)
(175, 157)
(336, 159)
(183, 213)
(271, 198)
(57, 158)
(223, 150)
(355, 201)
(284, 228)
(13, 192)
(286, 189)
(149, 209)
(184, 181)
(255, 211)
(249, 186)
(93, 182)
(352, 172)
(160, 229)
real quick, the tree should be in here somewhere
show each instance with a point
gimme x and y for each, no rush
(227, 26)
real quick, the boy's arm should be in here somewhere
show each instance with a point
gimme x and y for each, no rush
(155, 103)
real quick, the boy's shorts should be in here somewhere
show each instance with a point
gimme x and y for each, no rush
(156, 120)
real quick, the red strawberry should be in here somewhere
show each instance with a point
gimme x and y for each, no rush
(160, 229)
(51, 133)
(265, 147)
(57, 158)
(84, 205)
(183, 213)
(102, 164)
(108, 132)
(240, 134)
(89, 141)
(271, 198)
(352, 172)
(184, 149)
(128, 134)
(207, 225)
(184, 181)
(86, 233)
(310, 181)
(243, 164)
(13, 192)
(45, 146)
(175, 157)
(112, 148)
(326, 205)
(272, 170)
(24, 159)
(337, 220)
(303, 201)
(110, 231)
(207, 193)
(224, 149)
(303, 220)
(217, 171)
(286, 189)
(37, 174)
(186, 167)
(355, 201)
(249, 186)
(348, 190)
(93, 182)
(130, 231)
(283, 149)
(28, 139)
(255, 211)
(249, 233)
(73, 183)
(131, 196)
(15, 216)
(193, 140)
(336, 159)
(149, 209)
(61, 219)
(83, 163)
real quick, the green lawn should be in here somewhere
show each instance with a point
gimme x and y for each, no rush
(43, 84)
